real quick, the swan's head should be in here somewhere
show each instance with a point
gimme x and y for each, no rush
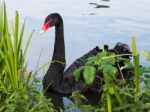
(53, 19)
(122, 48)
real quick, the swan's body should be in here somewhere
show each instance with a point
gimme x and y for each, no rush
(58, 80)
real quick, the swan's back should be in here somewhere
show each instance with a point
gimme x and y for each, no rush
(68, 78)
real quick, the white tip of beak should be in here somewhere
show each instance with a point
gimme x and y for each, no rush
(42, 31)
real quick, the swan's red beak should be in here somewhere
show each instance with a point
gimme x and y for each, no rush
(45, 27)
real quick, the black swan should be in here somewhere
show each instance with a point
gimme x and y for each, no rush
(58, 80)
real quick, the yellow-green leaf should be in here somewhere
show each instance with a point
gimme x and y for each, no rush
(111, 90)
(89, 74)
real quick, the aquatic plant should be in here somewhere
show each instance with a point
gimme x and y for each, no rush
(80, 103)
(17, 93)
(119, 94)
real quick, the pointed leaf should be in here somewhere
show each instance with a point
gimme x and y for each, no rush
(89, 74)
(77, 74)
(134, 49)
(1, 20)
(5, 29)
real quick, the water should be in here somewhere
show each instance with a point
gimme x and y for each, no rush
(124, 19)
(85, 26)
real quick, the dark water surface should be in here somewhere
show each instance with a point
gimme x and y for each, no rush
(85, 25)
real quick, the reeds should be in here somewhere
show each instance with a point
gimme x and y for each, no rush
(16, 91)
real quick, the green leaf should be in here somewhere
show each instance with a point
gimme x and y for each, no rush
(110, 60)
(127, 64)
(102, 54)
(146, 54)
(1, 20)
(77, 74)
(20, 45)
(102, 109)
(110, 70)
(99, 57)
(16, 43)
(136, 65)
(5, 29)
(111, 90)
(89, 74)
(134, 49)
(105, 87)
(90, 60)
(114, 71)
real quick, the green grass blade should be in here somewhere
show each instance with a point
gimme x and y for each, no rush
(136, 71)
(15, 48)
(1, 20)
(20, 44)
(16, 26)
(109, 107)
(134, 49)
(136, 65)
(10, 59)
(16, 39)
(5, 29)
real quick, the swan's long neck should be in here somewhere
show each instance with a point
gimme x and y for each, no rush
(54, 75)
(59, 47)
